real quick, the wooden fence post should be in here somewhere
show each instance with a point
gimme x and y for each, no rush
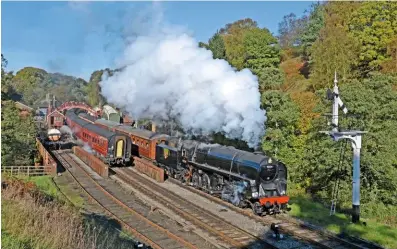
(28, 171)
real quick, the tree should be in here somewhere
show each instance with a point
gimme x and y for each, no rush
(7, 90)
(335, 48)
(203, 45)
(217, 46)
(290, 30)
(4, 63)
(27, 82)
(67, 88)
(237, 26)
(18, 135)
(282, 118)
(28, 77)
(390, 65)
(262, 57)
(261, 50)
(270, 78)
(233, 35)
(314, 23)
(93, 88)
(374, 24)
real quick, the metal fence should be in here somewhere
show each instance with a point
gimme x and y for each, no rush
(27, 170)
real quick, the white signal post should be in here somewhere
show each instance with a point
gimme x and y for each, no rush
(355, 137)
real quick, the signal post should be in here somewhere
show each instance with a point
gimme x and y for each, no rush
(355, 137)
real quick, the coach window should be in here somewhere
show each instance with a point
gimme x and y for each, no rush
(147, 145)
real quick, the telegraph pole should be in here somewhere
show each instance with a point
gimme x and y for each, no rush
(355, 137)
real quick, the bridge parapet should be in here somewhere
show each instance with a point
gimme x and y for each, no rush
(73, 104)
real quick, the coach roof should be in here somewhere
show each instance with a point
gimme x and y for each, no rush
(100, 131)
(140, 132)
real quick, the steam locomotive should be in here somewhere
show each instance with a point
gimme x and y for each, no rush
(242, 178)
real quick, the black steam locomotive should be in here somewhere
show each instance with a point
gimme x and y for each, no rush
(240, 177)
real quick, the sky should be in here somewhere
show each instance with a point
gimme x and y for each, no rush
(77, 38)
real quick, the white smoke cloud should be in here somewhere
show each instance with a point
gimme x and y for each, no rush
(166, 75)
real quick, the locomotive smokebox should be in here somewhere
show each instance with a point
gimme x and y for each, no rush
(53, 135)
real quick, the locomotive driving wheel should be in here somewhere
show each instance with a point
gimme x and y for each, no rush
(206, 182)
(257, 208)
(196, 180)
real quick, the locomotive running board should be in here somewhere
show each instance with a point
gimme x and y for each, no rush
(220, 171)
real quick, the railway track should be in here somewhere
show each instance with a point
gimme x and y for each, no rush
(305, 231)
(159, 237)
(137, 223)
(218, 227)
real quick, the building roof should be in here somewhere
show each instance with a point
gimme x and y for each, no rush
(55, 112)
(22, 106)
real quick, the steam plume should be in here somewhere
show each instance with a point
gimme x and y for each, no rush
(165, 75)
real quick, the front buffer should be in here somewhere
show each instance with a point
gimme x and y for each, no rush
(271, 205)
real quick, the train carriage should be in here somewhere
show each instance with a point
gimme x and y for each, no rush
(114, 148)
(143, 141)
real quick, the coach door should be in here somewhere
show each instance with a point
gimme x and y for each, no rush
(119, 148)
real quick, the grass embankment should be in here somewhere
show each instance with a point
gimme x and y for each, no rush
(305, 208)
(36, 216)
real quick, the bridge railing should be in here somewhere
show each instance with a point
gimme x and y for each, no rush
(26, 170)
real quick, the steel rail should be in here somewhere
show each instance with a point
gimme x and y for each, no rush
(158, 193)
(141, 236)
(286, 228)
